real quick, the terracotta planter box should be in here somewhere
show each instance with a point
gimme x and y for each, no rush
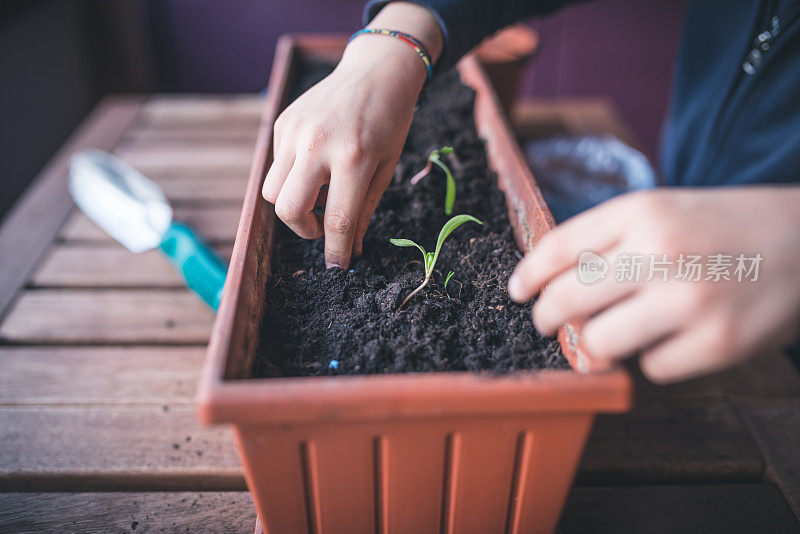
(450, 452)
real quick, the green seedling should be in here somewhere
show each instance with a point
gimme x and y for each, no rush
(447, 280)
(435, 159)
(429, 258)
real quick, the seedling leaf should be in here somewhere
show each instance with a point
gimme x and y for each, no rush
(450, 188)
(447, 281)
(450, 191)
(431, 257)
(408, 243)
(448, 228)
(428, 262)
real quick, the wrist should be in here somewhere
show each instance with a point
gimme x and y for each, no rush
(414, 20)
(380, 56)
(383, 56)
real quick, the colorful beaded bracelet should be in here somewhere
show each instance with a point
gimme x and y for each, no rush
(410, 40)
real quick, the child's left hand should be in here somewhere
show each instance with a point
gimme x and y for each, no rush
(681, 328)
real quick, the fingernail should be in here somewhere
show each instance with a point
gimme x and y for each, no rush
(330, 265)
(515, 290)
(536, 323)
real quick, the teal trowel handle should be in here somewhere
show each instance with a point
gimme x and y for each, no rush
(200, 267)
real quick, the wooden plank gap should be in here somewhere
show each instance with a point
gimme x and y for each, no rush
(775, 426)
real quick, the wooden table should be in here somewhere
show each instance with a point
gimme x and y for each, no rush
(100, 352)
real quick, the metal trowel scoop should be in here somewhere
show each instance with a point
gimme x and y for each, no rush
(134, 211)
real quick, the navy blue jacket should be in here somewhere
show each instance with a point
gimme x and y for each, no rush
(734, 118)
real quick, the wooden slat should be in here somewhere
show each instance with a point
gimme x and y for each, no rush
(146, 154)
(108, 266)
(775, 426)
(655, 443)
(649, 449)
(30, 226)
(161, 175)
(536, 119)
(36, 513)
(221, 171)
(89, 448)
(660, 509)
(99, 375)
(206, 110)
(706, 509)
(543, 117)
(224, 132)
(107, 316)
(215, 224)
(204, 190)
(772, 375)
(135, 142)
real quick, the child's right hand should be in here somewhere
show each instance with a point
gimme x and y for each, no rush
(346, 132)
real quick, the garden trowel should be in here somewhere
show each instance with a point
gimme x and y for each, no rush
(134, 211)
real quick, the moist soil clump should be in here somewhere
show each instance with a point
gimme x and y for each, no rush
(320, 321)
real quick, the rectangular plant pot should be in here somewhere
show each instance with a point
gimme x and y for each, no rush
(437, 452)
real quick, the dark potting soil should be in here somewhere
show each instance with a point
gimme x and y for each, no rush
(314, 316)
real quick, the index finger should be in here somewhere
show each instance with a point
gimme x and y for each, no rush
(346, 194)
(594, 230)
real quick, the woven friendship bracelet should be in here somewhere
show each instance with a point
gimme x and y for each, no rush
(410, 40)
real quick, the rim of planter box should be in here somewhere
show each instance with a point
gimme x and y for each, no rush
(223, 397)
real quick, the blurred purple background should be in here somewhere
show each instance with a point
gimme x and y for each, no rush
(63, 56)
(623, 49)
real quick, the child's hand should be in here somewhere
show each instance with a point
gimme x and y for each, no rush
(682, 328)
(347, 133)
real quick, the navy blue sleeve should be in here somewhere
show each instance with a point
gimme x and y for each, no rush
(465, 23)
